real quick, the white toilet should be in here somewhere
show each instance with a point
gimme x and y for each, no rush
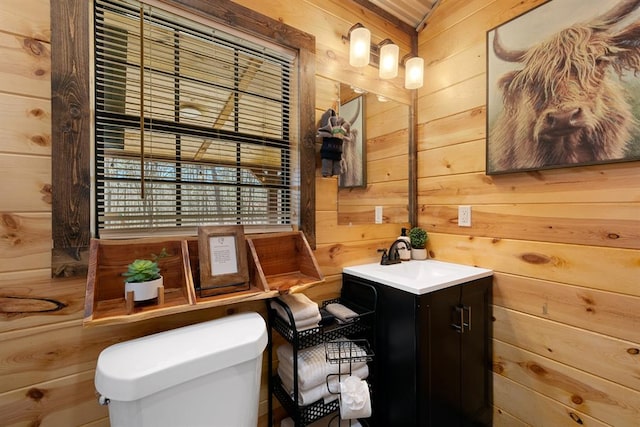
(207, 374)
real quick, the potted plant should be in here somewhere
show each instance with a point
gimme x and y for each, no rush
(143, 278)
(418, 238)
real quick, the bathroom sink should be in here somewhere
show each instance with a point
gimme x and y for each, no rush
(418, 277)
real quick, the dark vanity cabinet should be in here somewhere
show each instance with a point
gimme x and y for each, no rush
(433, 355)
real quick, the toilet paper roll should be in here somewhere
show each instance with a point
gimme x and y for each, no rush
(355, 401)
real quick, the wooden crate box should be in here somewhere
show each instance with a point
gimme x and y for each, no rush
(105, 300)
(282, 262)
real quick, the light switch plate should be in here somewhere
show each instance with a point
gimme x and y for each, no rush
(378, 215)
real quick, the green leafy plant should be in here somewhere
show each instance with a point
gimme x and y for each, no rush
(144, 270)
(418, 238)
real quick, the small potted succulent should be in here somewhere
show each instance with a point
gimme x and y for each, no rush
(418, 238)
(143, 278)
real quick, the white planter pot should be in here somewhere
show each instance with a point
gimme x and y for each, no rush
(143, 291)
(418, 253)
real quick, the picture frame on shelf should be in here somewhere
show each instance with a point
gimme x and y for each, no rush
(222, 257)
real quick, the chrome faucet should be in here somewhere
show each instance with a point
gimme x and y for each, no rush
(393, 257)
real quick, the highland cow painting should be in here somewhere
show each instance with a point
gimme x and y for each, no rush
(563, 86)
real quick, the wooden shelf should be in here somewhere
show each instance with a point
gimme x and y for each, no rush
(278, 263)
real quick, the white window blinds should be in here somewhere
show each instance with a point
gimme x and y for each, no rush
(193, 126)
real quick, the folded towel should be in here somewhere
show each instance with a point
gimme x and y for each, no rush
(301, 306)
(287, 380)
(329, 392)
(313, 367)
(311, 322)
(305, 312)
(355, 401)
(342, 313)
(307, 397)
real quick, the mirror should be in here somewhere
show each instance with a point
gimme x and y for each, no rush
(384, 157)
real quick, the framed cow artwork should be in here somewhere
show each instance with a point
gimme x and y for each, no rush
(563, 86)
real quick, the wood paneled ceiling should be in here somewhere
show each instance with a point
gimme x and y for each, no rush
(407, 13)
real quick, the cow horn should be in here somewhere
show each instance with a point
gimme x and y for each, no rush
(504, 54)
(617, 13)
(357, 111)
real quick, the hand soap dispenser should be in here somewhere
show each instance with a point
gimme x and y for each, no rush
(404, 254)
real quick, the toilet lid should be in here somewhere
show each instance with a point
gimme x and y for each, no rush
(134, 369)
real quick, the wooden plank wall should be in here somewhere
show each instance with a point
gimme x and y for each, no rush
(564, 243)
(47, 359)
(566, 295)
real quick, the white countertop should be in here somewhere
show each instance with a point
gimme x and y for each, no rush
(418, 277)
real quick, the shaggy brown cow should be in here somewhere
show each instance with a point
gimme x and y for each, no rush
(567, 105)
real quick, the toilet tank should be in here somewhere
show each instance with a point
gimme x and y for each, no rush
(207, 374)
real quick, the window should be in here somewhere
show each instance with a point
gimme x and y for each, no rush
(71, 110)
(193, 126)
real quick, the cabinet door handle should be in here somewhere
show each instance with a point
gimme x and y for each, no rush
(466, 308)
(458, 316)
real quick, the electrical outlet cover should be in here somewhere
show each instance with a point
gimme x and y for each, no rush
(464, 216)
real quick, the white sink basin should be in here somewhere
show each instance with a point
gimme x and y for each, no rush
(418, 277)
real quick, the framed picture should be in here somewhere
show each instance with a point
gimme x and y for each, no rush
(222, 256)
(562, 88)
(353, 172)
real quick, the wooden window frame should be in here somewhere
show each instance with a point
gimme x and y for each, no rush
(72, 125)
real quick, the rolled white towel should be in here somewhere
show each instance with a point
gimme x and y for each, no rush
(313, 367)
(355, 401)
(341, 312)
(305, 312)
(328, 392)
